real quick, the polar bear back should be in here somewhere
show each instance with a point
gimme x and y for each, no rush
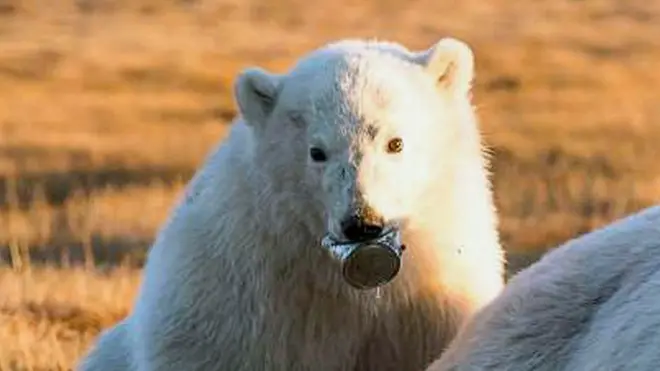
(591, 304)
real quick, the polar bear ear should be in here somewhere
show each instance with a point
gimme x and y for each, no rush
(451, 63)
(256, 92)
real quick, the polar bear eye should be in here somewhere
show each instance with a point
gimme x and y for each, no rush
(317, 154)
(395, 145)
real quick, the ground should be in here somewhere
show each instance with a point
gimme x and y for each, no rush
(107, 107)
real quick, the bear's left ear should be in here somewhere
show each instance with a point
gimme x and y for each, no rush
(451, 63)
(256, 92)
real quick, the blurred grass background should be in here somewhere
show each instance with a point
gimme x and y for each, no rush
(108, 106)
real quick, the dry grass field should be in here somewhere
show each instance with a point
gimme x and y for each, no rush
(107, 107)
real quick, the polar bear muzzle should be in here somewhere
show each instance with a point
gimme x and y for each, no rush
(368, 264)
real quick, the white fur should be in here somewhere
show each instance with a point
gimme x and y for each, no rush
(592, 304)
(237, 279)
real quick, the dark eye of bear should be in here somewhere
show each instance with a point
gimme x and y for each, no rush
(395, 145)
(317, 154)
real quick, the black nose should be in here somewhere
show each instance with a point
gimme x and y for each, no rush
(358, 229)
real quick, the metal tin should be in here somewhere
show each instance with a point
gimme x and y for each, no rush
(369, 264)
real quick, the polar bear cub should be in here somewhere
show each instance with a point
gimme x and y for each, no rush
(360, 138)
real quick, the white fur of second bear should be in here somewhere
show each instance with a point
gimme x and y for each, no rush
(237, 279)
(592, 304)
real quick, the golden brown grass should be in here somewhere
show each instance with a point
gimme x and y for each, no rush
(48, 316)
(106, 108)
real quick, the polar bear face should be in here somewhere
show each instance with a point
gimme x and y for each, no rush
(359, 131)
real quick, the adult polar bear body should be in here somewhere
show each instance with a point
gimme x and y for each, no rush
(592, 304)
(237, 279)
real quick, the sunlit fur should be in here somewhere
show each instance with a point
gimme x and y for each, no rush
(237, 279)
(590, 305)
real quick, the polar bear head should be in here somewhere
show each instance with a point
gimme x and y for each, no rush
(360, 135)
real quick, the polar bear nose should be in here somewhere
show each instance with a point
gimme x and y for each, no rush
(356, 228)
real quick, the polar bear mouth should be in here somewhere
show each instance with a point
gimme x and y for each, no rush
(388, 234)
(367, 264)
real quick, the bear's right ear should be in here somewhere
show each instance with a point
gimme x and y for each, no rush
(255, 91)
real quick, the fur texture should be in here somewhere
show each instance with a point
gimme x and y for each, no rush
(590, 305)
(237, 279)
